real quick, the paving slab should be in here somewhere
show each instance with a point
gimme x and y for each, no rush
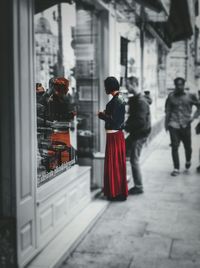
(162, 263)
(186, 250)
(96, 260)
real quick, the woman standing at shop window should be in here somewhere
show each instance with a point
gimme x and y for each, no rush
(115, 182)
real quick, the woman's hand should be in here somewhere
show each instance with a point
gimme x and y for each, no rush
(101, 114)
(74, 113)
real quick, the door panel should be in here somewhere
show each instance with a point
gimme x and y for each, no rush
(25, 130)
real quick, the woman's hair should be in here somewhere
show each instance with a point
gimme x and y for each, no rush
(111, 84)
(177, 79)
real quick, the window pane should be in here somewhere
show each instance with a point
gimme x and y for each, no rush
(56, 96)
(67, 44)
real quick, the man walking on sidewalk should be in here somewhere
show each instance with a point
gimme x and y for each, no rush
(138, 125)
(178, 109)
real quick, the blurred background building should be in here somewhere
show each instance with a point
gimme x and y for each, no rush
(85, 41)
(46, 49)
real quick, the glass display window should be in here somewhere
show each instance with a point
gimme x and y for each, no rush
(68, 41)
(56, 96)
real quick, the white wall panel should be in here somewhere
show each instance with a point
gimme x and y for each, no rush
(26, 237)
(59, 207)
(46, 220)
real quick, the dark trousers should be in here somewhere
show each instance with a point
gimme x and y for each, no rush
(176, 136)
(136, 149)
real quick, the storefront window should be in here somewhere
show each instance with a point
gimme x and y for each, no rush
(87, 47)
(67, 44)
(55, 89)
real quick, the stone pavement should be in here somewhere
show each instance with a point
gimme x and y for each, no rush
(159, 229)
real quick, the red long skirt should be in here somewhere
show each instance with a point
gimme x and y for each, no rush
(115, 182)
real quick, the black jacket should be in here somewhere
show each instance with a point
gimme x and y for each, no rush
(138, 123)
(114, 113)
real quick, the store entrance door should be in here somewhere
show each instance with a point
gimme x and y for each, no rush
(25, 133)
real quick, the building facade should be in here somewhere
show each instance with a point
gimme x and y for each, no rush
(46, 50)
(182, 57)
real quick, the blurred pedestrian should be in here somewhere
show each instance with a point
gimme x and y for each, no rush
(138, 125)
(197, 130)
(178, 109)
(115, 182)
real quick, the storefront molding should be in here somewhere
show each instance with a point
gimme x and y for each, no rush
(63, 180)
(59, 201)
(67, 240)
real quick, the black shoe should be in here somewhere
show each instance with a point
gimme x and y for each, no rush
(121, 198)
(117, 198)
(198, 169)
(175, 172)
(136, 190)
(111, 198)
(187, 165)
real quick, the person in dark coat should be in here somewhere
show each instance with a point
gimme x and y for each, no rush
(115, 182)
(138, 125)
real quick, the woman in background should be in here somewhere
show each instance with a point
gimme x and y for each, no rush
(115, 182)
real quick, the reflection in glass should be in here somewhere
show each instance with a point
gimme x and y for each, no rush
(56, 96)
(67, 44)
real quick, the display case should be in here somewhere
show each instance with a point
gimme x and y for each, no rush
(55, 126)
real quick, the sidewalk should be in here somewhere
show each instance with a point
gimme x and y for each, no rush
(159, 229)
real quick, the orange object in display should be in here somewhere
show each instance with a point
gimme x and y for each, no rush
(64, 138)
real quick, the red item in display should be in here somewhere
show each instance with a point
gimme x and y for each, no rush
(61, 85)
(64, 138)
